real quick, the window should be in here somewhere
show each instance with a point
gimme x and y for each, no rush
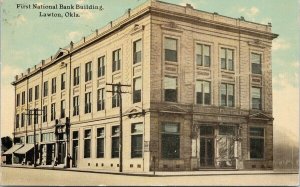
(115, 97)
(170, 140)
(100, 142)
(87, 103)
(30, 139)
(35, 117)
(170, 89)
(22, 119)
(63, 81)
(100, 99)
(76, 76)
(116, 65)
(17, 120)
(23, 98)
(137, 89)
(75, 148)
(30, 95)
(101, 66)
(227, 59)
(36, 92)
(115, 132)
(45, 89)
(137, 51)
(18, 99)
(75, 105)
(256, 143)
(53, 87)
(29, 117)
(227, 95)
(171, 50)
(137, 130)
(53, 111)
(256, 63)
(203, 92)
(44, 113)
(88, 71)
(202, 55)
(87, 143)
(256, 98)
(47, 137)
(62, 109)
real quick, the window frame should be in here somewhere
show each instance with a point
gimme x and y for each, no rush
(257, 137)
(63, 81)
(101, 100)
(260, 62)
(166, 57)
(45, 118)
(227, 95)
(203, 92)
(101, 66)
(53, 112)
(227, 59)
(115, 136)
(116, 60)
(23, 98)
(88, 71)
(177, 89)
(76, 107)
(88, 102)
(30, 95)
(36, 92)
(202, 64)
(76, 77)
(85, 139)
(260, 98)
(136, 98)
(100, 137)
(63, 108)
(53, 85)
(115, 97)
(167, 135)
(135, 135)
(137, 55)
(45, 88)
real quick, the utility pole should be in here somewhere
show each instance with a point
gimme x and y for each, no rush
(119, 94)
(35, 115)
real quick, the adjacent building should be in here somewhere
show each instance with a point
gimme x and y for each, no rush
(199, 95)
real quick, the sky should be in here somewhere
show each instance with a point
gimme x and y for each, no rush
(26, 39)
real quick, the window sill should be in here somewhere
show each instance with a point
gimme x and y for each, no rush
(116, 72)
(137, 64)
(201, 67)
(171, 63)
(227, 71)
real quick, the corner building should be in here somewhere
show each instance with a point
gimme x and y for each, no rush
(200, 95)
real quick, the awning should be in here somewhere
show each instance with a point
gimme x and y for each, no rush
(25, 149)
(13, 149)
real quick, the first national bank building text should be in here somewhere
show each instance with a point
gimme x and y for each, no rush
(194, 90)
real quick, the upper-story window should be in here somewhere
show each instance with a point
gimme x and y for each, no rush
(101, 66)
(137, 89)
(256, 63)
(116, 64)
(63, 81)
(45, 93)
(22, 119)
(45, 113)
(88, 71)
(36, 92)
(227, 95)
(203, 55)
(115, 97)
(18, 99)
(17, 120)
(75, 105)
(62, 109)
(88, 104)
(256, 98)
(171, 53)
(76, 76)
(53, 112)
(100, 99)
(23, 98)
(203, 92)
(137, 51)
(170, 86)
(30, 95)
(53, 85)
(227, 61)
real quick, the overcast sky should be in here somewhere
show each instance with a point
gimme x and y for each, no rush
(26, 39)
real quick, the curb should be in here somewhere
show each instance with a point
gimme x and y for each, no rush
(160, 174)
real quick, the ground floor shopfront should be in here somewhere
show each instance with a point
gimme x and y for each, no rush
(161, 141)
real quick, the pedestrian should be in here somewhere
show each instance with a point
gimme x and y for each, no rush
(69, 158)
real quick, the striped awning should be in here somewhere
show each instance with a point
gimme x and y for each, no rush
(13, 149)
(25, 149)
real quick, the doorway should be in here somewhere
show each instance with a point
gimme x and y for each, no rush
(207, 146)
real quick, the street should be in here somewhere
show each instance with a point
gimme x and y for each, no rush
(24, 176)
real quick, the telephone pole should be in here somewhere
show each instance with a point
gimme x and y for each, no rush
(119, 95)
(35, 116)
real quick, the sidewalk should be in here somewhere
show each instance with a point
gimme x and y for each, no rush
(165, 173)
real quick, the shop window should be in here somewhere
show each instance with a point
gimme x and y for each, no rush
(115, 133)
(137, 131)
(100, 142)
(170, 141)
(87, 143)
(257, 141)
(171, 50)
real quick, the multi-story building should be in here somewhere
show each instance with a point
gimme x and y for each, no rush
(200, 95)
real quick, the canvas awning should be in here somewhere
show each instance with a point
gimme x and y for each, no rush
(25, 149)
(13, 149)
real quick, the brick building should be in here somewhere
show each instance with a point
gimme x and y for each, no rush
(200, 95)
